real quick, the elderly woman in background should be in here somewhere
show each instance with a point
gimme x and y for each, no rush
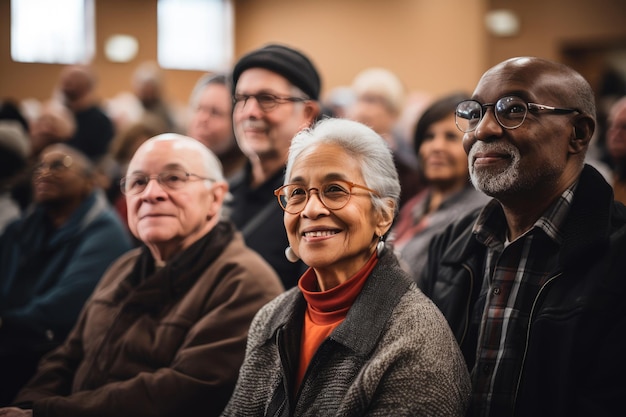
(355, 337)
(449, 193)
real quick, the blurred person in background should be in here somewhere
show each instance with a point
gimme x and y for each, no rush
(211, 122)
(94, 129)
(448, 194)
(54, 123)
(14, 153)
(11, 109)
(380, 98)
(148, 85)
(616, 148)
(50, 261)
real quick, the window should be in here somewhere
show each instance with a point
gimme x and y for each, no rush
(195, 34)
(52, 32)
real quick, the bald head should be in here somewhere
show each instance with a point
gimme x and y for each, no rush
(174, 192)
(211, 164)
(566, 85)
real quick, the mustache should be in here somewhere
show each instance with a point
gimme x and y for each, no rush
(254, 124)
(495, 147)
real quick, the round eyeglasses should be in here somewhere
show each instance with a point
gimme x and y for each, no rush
(265, 101)
(172, 180)
(510, 112)
(333, 195)
(54, 166)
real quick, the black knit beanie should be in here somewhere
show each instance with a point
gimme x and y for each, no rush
(283, 60)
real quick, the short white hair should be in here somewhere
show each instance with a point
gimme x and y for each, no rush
(212, 165)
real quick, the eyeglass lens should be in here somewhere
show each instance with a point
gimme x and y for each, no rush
(265, 101)
(136, 183)
(293, 198)
(510, 112)
(56, 165)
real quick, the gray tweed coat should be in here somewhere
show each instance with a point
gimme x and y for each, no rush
(393, 355)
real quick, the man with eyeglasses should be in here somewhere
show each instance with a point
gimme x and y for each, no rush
(165, 331)
(51, 260)
(275, 94)
(533, 283)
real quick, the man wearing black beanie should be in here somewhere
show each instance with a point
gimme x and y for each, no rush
(275, 93)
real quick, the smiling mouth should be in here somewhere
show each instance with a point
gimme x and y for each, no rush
(320, 233)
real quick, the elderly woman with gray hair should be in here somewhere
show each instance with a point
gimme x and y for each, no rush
(355, 337)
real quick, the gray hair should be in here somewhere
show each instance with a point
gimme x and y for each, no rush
(361, 143)
(205, 81)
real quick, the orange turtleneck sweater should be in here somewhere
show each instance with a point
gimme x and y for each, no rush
(326, 310)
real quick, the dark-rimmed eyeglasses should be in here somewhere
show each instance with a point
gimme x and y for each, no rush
(265, 101)
(171, 179)
(333, 195)
(510, 112)
(55, 166)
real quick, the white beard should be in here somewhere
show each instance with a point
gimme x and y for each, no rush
(490, 181)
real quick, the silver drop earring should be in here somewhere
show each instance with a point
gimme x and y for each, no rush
(380, 246)
(291, 255)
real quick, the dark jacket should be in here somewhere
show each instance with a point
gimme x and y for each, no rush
(393, 355)
(46, 274)
(573, 360)
(165, 342)
(256, 212)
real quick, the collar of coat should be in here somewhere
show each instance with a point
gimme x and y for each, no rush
(585, 232)
(366, 319)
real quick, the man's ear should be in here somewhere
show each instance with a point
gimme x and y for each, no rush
(220, 191)
(582, 131)
(311, 111)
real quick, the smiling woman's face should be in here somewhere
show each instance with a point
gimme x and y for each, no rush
(338, 241)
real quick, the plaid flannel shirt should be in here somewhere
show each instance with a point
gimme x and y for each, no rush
(514, 275)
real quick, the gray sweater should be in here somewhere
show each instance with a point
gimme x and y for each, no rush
(393, 355)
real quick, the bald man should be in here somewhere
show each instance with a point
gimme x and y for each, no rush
(165, 331)
(533, 283)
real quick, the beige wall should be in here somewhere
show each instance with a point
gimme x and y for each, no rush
(418, 39)
(435, 46)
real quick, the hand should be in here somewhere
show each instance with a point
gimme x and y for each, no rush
(15, 412)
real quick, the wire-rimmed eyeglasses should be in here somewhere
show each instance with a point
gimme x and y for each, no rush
(265, 101)
(172, 179)
(55, 166)
(333, 195)
(510, 112)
